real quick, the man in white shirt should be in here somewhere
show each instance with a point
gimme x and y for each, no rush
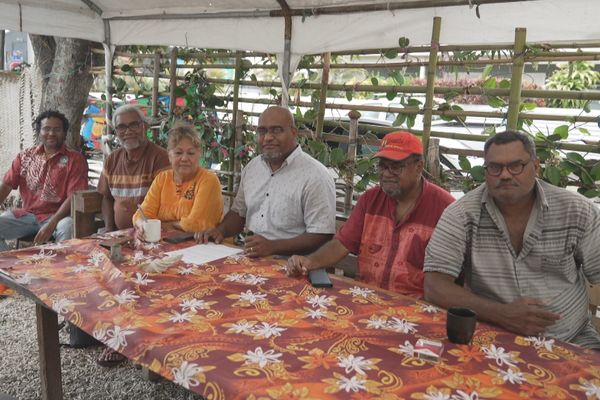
(286, 197)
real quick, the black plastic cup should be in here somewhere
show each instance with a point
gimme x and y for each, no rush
(460, 325)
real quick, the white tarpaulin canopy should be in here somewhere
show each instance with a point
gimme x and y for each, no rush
(317, 25)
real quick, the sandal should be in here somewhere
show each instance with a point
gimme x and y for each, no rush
(110, 358)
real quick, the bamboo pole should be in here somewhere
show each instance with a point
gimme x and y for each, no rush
(537, 58)
(481, 61)
(2, 39)
(431, 70)
(349, 179)
(239, 139)
(286, 76)
(173, 85)
(433, 160)
(467, 90)
(235, 122)
(514, 100)
(584, 148)
(155, 80)
(323, 96)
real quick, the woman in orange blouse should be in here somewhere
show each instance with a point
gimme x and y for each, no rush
(187, 197)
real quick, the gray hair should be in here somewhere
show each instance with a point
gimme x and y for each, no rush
(125, 109)
(509, 137)
(182, 130)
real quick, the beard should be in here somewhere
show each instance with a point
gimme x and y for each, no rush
(272, 155)
(394, 193)
(130, 144)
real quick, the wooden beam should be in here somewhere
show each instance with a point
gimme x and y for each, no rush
(155, 82)
(431, 70)
(173, 77)
(349, 178)
(49, 350)
(323, 94)
(514, 100)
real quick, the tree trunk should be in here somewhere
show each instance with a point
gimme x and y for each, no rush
(65, 65)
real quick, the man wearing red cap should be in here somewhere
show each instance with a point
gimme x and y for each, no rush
(390, 225)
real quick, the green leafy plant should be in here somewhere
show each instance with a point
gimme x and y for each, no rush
(576, 75)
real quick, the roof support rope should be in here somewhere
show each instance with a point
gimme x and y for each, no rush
(287, 53)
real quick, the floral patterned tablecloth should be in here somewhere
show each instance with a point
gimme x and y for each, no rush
(239, 328)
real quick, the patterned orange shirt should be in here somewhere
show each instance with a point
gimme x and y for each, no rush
(45, 184)
(197, 204)
(390, 254)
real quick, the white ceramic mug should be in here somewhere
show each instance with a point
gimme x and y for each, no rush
(152, 230)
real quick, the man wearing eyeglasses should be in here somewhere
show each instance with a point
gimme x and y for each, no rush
(390, 225)
(524, 248)
(129, 171)
(46, 176)
(286, 198)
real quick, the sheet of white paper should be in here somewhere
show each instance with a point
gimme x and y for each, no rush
(204, 253)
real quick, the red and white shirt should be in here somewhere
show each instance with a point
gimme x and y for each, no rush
(390, 254)
(45, 184)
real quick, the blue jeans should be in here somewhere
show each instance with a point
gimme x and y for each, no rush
(12, 227)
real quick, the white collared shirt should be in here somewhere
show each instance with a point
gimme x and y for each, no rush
(297, 198)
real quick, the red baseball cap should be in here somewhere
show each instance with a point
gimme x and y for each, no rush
(399, 145)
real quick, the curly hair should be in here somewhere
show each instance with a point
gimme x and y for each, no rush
(37, 124)
(183, 131)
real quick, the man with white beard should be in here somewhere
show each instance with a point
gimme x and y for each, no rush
(129, 171)
(125, 180)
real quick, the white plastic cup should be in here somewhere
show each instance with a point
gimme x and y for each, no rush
(152, 230)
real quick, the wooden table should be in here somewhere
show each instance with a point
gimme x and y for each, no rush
(240, 328)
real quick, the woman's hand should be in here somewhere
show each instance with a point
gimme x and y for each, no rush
(139, 230)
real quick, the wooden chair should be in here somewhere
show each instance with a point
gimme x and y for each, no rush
(85, 206)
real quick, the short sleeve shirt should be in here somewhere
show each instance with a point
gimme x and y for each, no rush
(390, 254)
(560, 249)
(297, 198)
(127, 181)
(43, 184)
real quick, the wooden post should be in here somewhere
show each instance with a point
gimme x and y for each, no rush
(155, 81)
(49, 349)
(235, 122)
(514, 100)
(286, 77)
(173, 75)
(2, 39)
(108, 92)
(239, 139)
(353, 135)
(431, 69)
(85, 204)
(323, 97)
(432, 163)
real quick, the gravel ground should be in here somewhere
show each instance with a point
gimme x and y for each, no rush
(82, 378)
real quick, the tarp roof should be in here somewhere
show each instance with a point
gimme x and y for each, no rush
(316, 26)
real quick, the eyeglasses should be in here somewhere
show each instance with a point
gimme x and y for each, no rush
(514, 167)
(274, 130)
(122, 128)
(395, 167)
(55, 130)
